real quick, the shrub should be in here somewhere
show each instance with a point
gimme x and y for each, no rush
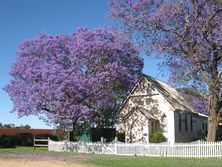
(7, 141)
(45, 136)
(157, 137)
(60, 136)
(121, 136)
(24, 139)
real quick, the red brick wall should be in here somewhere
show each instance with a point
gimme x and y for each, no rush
(14, 131)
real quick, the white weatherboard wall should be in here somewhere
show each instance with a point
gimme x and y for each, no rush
(199, 127)
(171, 124)
(166, 109)
(137, 127)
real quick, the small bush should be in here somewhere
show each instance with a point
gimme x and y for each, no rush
(60, 136)
(157, 137)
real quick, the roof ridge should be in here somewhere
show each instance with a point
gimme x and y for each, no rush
(169, 91)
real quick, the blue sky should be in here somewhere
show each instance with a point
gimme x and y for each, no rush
(24, 19)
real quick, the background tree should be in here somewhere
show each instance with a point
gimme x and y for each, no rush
(65, 78)
(24, 126)
(188, 35)
(8, 126)
(13, 126)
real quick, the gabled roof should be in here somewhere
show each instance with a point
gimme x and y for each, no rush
(169, 93)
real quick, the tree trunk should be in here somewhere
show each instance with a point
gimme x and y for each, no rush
(212, 128)
(213, 113)
(72, 136)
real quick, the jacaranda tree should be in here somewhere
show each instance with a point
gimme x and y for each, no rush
(65, 78)
(195, 99)
(188, 35)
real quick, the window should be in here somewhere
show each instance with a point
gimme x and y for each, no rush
(186, 122)
(180, 123)
(191, 123)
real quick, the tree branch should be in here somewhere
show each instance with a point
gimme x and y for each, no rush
(199, 67)
(214, 14)
(174, 31)
(197, 9)
(46, 109)
(218, 78)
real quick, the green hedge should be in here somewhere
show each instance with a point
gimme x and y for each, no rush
(45, 136)
(7, 141)
(22, 139)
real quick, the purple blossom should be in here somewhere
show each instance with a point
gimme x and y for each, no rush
(200, 105)
(66, 77)
(172, 28)
(187, 35)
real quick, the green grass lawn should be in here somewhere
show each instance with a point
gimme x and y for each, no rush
(121, 161)
(37, 151)
(24, 150)
(126, 161)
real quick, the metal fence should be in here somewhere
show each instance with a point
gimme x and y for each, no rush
(199, 149)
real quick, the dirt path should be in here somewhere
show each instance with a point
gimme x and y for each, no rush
(34, 163)
(8, 162)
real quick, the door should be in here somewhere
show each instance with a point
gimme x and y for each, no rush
(154, 126)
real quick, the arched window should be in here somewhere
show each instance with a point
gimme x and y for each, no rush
(180, 123)
(186, 123)
(191, 123)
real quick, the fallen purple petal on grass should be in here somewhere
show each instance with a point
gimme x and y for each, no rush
(44, 157)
